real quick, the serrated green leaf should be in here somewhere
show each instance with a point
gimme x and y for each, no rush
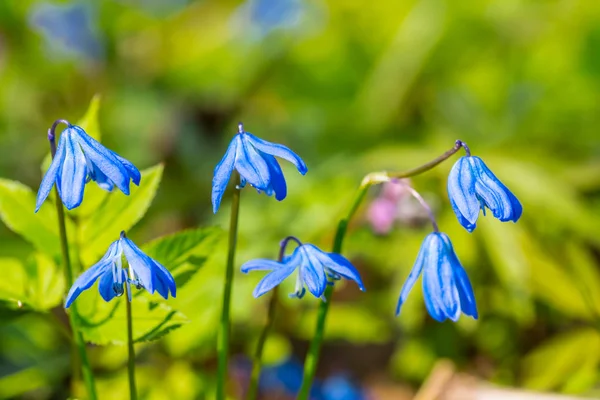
(106, 323)
(184, 253)
(17, 205)
(89, 122)
(555, 361)
(117, 213)
(36, 284)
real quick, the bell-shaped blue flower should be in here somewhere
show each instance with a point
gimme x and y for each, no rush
(446, 286)
(472, 187)
(315, 270)
(144, 272)
(80, 158)
(254, 159)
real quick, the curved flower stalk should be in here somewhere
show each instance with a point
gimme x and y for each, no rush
(472, 187)
(315, 270)
(79, 159)
(255, 161)
(446, 286)
(143, 272)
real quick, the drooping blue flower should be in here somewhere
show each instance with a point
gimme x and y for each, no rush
(446, 287)
(472, 187)
(254, 159)
(80, 158)
(144, 272)
(314, 268)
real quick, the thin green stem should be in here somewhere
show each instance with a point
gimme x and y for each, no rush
(257, 364)
(88, 377)
(130, 348)
(224, 327)
(312, 357)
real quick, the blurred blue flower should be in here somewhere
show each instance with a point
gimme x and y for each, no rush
(340, 387)
(80, 158)
(273, 14)
(254, 159)
(68, 28)
(314, 268)
(144, 272)
(446, 287)
(472, 187)
(285, 377)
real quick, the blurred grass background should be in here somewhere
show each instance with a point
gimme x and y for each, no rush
(351, 86)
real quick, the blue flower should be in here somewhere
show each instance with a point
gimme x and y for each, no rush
(472, 187)
(341, 387)
(254, 159)
(314, 268)
(68, 29)
(144, 272)
(446, 287)
(80, 158)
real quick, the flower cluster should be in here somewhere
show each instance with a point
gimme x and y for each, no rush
(446, 287)
(77, 160)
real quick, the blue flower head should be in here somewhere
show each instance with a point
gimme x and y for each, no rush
(472, 187)
(446, 287)
(144, 272)
(80, 158)
(254, 159)
(315, 270)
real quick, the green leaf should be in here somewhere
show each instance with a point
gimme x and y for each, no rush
(106, 323)
(36, 284)
(117, 213)
(17, 205)
(184, 253)
(554, 362)
(89, 122)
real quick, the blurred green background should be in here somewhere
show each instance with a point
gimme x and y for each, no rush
(352, 86)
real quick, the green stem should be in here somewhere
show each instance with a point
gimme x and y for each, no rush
(130, 348)
(312, 357)
(224, 327)
(257, 364)
(88, 377)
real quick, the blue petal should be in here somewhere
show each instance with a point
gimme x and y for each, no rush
(251, 166)
(413, 276)
(142, 264)
(278, 150)
(260, 264)
(73, 174)
(103, 159)
(52, 174)
(461, 192)
(337, 264)
(278, 184)
(99, 177)
(88, 277)
(134, 173)
(107, 281)
(273, 279)
(463, 285)
(312, 271)
(163, 277)
(503, 204)
(223, 172)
